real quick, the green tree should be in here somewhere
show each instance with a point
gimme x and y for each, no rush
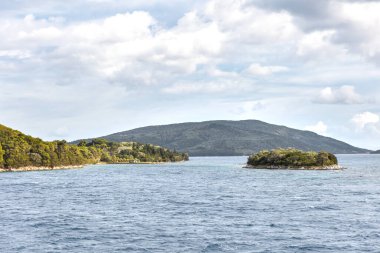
(82, 143)
(20, 150)
(292, 157)
(1, 156)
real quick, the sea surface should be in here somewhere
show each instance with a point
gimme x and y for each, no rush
(208, 204)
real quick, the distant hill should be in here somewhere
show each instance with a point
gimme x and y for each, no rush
(375, 152)
(223, 138)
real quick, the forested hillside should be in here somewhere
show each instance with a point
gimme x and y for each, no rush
(221, 137)
(20, 150)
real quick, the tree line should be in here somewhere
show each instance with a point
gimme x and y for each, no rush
(20, 150)
(292, 157)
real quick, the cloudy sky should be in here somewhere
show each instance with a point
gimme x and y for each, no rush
(73, 69)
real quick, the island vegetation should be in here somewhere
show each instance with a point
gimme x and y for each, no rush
(18, 150)
(292, 159)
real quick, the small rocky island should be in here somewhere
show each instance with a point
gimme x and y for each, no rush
(293, 159)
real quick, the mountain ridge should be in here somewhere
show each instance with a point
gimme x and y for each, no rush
(225, 137)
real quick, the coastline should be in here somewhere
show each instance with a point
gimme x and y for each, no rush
(271, 167)
(146, 162)
(68, 167)
(34, 168)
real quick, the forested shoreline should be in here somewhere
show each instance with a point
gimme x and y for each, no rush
(18, 150)
(293, 158)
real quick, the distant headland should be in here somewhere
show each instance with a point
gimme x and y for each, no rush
(231, 138)
(293, 159)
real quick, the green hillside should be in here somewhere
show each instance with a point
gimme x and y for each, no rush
(20, 150)
(222, 138)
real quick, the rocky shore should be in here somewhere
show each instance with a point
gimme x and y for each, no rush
(33, 168)
(293, 159)
(332, 167)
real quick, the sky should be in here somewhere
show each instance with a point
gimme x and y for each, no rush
(76, 69)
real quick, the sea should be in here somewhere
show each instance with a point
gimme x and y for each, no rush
(208, 204)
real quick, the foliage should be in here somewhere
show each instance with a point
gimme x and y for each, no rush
(292, 158)
(20, 150)
(133, 152)
(1, 156)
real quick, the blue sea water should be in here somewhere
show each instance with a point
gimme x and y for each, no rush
(204, 205)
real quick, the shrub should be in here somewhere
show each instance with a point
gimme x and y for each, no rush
(20, 150)
(292, 158)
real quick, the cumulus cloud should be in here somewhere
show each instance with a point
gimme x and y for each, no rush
(257, 69)
(128, 47)
(245, 22)
(343, 95)
(360, 34)
(334, 25)
(366, 119)
(217, 86)
(104, 56)
(17, 54)
(319, 128)
(318, 44)
(134, 48)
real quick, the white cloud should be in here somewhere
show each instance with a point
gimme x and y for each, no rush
(217, 86)
(134, 48)
(334, 28)
(257, 69)
(363, 18)
(318, 44)
(343, 95)
(18, 54)
(191, 43)
(129, 47)
(319, 128)
(245, 22)
(50, 66)
(365, 119)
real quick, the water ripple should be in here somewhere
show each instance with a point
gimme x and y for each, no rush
(205, 205)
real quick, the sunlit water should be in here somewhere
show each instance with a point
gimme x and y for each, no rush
(204, 205)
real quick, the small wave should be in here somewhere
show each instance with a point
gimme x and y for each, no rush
(212, 247)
